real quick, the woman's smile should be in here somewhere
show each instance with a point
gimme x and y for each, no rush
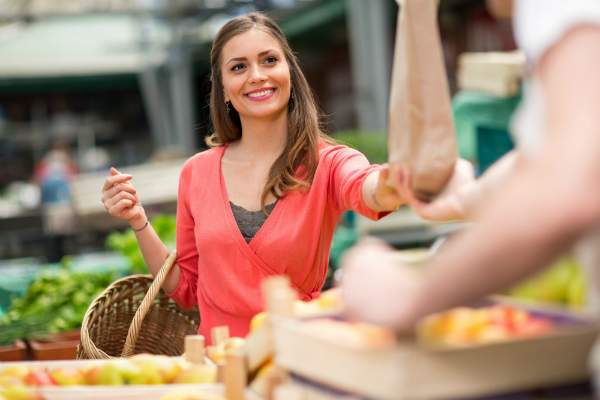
(261, 94)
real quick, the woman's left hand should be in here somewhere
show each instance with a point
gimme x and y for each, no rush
(386, 196)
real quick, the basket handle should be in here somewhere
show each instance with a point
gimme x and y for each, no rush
(140, 314)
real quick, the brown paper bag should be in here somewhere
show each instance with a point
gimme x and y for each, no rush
(421, 130)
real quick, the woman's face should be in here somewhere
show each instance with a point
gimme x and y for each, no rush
(256, 75)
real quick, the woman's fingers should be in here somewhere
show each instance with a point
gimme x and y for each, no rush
(130, 213)
(118, 197)
(115, 179)
(119, 187)
(121, 205)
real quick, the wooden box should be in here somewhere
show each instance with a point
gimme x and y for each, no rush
(127, 392)
(14, 352)
(408, 370)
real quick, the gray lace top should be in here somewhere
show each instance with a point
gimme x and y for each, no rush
(249, 222)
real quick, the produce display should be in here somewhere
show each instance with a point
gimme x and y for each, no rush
(217, 352)
(351, 334)
(56, 301)
(465, 326)
(328, 302)
(562, 283)
(20, 381)
(189, 395)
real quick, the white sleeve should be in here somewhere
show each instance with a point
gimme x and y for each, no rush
(539, 24)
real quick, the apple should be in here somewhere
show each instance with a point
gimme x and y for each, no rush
(576, 290)
(67, 376)
(10, 380)
(258, 321)
(233, 343)
(158, 369)
(110, 375)
(462, 325)
(330, 300)
(20, 392)
(217, 353)
(197, 373)
(18, 371)
(90, 374)
(534, 327)
(38, 377)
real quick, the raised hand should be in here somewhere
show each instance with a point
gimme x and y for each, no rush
(120, 198)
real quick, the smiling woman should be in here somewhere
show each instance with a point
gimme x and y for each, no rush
(266, 198)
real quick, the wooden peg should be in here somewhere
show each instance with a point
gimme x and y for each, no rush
(278, 295)
(219, 334)
(194, 349)
(235, 375)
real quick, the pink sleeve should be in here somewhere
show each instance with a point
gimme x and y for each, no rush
(187, 254)
(349, 169)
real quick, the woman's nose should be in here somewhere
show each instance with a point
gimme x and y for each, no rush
(256, 74)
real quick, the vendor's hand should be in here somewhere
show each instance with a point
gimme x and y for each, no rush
(120, 198)
(456, 200)
(375, 288)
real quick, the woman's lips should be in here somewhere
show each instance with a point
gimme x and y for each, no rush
(261, 95)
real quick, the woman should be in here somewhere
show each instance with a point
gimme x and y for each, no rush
(265, 199)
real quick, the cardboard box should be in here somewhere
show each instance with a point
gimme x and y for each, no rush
(495, 73)
(411, 371)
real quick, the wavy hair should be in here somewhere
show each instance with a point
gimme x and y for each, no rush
(295, 168)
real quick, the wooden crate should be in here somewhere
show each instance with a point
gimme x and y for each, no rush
(14, 352)
(130, 392)
(410, 371)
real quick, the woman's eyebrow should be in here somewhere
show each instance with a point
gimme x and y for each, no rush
(262, 53)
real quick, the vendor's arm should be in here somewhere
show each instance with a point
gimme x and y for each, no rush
(550, 200)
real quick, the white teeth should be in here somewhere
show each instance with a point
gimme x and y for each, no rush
(261, 93)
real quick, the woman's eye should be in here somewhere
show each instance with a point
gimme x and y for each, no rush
(270, 60)
(237, 67)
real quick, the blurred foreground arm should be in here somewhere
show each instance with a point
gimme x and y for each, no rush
(550, 201)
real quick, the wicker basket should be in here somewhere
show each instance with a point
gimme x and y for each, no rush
(134, 316)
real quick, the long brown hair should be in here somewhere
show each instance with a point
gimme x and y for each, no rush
(304, 131)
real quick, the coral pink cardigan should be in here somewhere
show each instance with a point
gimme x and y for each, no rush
(222, 273)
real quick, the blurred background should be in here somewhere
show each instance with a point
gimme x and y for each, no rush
(85, 84)
(88, 84)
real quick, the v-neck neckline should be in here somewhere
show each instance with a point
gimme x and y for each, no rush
(229, 212)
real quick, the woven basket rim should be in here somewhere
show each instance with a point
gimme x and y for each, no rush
(88, 345)
(151, 292)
